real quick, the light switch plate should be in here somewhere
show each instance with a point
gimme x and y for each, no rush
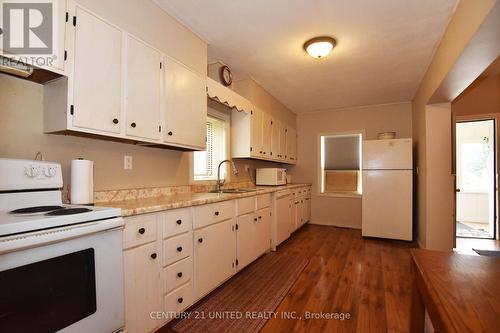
(127, 162)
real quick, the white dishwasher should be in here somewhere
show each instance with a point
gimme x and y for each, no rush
(281, 230)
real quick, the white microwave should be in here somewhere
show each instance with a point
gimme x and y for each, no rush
(271, 176)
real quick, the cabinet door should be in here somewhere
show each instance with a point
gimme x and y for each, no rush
(263, 231)
(256, 133)
(291, 145)
(246, 239)
(142, 287)
(294, 223)
(282, 137)
(185, 106)
(214, 256)
(283, 218)
(300, 212)
(142, 92)
(306, 210)
(266, 135)
(275, 140)
(97, 74)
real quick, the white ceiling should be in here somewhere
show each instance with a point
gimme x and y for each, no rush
(383, 46)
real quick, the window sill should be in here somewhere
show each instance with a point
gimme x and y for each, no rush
(341, 195)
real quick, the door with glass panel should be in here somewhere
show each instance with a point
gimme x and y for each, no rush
(475, 184)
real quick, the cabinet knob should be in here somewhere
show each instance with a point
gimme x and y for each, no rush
(170, 133)
(179, 274)
(200, 240)
(142, 231)
(180, 300)
(216, 213)
(153, 255)
(179, 249)
(179, 222)
(134, 125)
(260, 152)
(115, 121)
(255, 219)
(260, 217)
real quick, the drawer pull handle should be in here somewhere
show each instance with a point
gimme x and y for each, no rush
(115, 121)
(217, 213)
(200, 240)
(180, 300)
(179, 249)
(179, 222)
(142, 231)
(153, 255)
(134, 125)
(170, 133)
(179, 274)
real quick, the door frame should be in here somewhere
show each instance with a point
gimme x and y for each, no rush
(473, 118)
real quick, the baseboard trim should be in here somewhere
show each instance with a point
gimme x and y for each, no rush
(339, 225)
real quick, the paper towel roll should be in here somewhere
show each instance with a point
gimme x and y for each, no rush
(82, 182)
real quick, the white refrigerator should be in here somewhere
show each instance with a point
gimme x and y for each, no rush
(387, 189)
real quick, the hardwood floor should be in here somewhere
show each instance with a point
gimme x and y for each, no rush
(367, 279)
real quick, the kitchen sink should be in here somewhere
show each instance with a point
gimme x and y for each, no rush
(235, 190)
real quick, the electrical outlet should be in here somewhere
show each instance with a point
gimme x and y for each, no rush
(127, 162)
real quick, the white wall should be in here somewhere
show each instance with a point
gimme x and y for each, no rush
(372, 119)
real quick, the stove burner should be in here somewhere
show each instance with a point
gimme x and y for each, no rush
(68, 211)
(36, 209)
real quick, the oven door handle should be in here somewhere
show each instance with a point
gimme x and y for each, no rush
(43, 237)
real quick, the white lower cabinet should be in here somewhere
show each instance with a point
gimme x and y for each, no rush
(174, 258)
(262, 235)
(214, 255)
(246, 232)
(179, 299)
(253, 236)
(142, 287)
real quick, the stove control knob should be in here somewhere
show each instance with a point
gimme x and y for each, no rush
(31, 171)
(49, 171)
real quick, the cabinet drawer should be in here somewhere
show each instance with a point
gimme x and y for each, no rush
(139, 230)
(179, 299)
(176, 248)
(245, 205)
(177, 221)
(263, 200)
(208, 214)
(178, 273)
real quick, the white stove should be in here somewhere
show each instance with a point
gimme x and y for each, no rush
(74, 252)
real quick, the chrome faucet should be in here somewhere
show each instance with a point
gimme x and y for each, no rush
(219, 182)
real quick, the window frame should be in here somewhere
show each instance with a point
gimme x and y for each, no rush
(319, 161)
(226, 118)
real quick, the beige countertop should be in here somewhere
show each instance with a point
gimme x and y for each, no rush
(166, 202)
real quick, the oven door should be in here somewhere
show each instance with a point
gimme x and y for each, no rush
(74, 285)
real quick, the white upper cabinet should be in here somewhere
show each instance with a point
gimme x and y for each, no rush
(97, 74)
(185, 106)
(119, 87)
(282, 156)
(266, 135)
(275, 140)
(55, 60)
(142, 91)
(256, 133)
(291, 145)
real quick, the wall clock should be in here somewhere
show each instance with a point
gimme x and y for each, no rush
(226, 76)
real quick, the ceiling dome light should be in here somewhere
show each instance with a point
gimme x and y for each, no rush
(320, 47)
